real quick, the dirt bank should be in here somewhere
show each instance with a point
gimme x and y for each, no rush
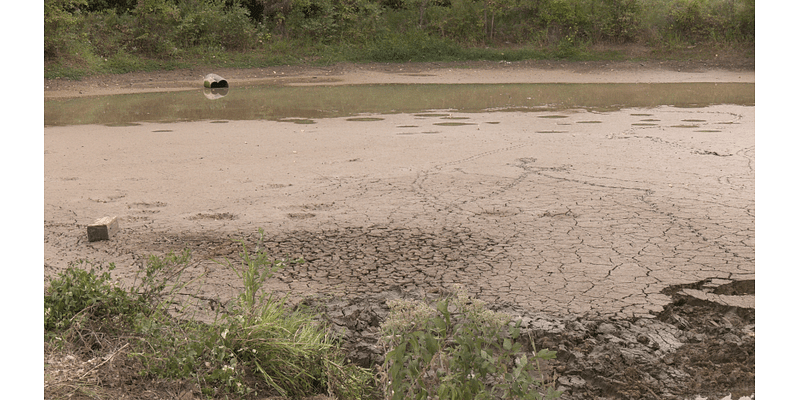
(719, 69)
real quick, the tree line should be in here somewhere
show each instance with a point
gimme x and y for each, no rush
(164, 28)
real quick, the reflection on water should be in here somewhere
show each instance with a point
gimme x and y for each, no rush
(215, 93)
(313, 102)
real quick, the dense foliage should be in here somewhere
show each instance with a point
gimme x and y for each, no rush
(114, 34)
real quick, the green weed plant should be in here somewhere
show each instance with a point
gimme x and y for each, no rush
(258, 344)
(86, 292)
(457, 349)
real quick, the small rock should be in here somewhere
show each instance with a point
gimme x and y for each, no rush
(732, 338)
(607, 329)
(572, 381)
(643, 339)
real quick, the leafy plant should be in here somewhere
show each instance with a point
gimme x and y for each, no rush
(61, 19)
(254, 268)
(86, 290)
(458, 350)
(259, 343)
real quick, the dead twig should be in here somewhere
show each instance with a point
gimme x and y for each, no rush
(109, 358)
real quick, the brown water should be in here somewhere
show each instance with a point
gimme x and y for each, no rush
(304, 104)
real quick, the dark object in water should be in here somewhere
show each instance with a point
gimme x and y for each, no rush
(215, 93)
(214, 81)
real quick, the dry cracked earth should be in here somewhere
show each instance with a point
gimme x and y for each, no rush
(625, 240)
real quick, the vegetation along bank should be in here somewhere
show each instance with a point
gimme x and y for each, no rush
(89, 37)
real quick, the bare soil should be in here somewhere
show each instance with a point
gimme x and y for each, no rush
(410, 220)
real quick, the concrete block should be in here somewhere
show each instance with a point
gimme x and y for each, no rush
(102, 229)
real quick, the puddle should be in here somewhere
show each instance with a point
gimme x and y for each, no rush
(454, 123)
(365, 119)
(298, 120)
(431, 115)
(553, 116)
(303, 104)
(120, 124)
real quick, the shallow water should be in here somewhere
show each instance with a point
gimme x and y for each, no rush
(304, 104)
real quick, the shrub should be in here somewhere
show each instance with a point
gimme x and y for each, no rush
(86, 291)
(415, 46)
(212, 24)
(60, 26)
(258, 342)
(154, 27)
(716, 20)
(620, 20)
(458, 350)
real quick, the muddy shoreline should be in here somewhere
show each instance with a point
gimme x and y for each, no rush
(623, 239)
(716, 70)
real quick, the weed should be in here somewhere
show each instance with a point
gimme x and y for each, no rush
(458, 350)
(259, 344)
(85, 291)
(254, 268)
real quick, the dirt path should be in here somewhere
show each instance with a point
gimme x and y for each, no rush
(639, 219)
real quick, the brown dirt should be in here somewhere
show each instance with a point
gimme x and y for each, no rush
(672, 333)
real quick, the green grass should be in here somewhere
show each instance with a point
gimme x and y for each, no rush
(433, 50)
(258, 345)
(457, 349)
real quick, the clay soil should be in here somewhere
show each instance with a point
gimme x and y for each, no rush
(628, 249)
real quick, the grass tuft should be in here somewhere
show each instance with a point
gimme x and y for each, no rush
(259, 345)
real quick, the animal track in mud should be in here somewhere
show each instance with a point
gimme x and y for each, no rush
(300, 215)
(213, 216)
(147, 204)
(109, 198)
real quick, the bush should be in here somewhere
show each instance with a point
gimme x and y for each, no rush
(620, 20)
(89, 294)
(259, 343)
(716, 20)
(458, 350)
(61, 21)
(211, 24)
(330, 21)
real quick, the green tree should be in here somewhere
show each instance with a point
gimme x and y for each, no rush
(60, 23)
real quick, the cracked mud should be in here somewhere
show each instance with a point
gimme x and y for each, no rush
(624, 239)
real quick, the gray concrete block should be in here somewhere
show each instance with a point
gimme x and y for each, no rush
(102, 229)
